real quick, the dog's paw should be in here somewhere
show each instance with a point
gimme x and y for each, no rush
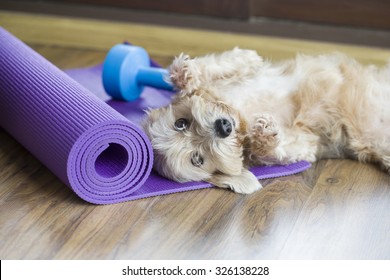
(264, 138)
(244, 183)
(385, 164)
(180, 73)
(265, 126)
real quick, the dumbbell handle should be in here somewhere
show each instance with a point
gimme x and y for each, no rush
(153, 77)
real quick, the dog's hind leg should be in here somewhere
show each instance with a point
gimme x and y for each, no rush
(370, 150)
(232, 66)
(264, 138)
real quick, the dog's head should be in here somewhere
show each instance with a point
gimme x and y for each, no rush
(199, 139)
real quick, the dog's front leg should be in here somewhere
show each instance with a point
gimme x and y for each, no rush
(272, 144)
(264, 139)
(190, 74)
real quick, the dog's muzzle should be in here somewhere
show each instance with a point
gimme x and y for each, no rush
(223, 128)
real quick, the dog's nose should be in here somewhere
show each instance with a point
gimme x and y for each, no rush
(223, 128)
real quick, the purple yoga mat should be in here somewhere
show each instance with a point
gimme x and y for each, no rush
(93, 144)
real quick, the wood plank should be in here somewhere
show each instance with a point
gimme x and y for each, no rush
(374, 13)
(40, 212)
(163, 41)
(344, 216)
(256, 26)
(218, 8)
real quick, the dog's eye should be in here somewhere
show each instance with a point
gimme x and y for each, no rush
(196, 159)
(181, 124)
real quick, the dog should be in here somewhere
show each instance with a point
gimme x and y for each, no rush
(235, 109)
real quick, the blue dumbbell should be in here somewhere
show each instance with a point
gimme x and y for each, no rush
(126, 70)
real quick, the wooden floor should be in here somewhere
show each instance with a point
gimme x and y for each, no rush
(338, 209)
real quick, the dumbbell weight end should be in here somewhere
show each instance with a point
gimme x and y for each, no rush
(120, 70)
(127, 69)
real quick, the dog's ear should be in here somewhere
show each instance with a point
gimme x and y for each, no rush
(244, 183)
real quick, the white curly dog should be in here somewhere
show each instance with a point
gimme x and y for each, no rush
(234, 110)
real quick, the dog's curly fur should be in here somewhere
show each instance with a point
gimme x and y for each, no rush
(308, 108)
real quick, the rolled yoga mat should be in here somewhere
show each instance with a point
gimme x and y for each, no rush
(93, 144)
